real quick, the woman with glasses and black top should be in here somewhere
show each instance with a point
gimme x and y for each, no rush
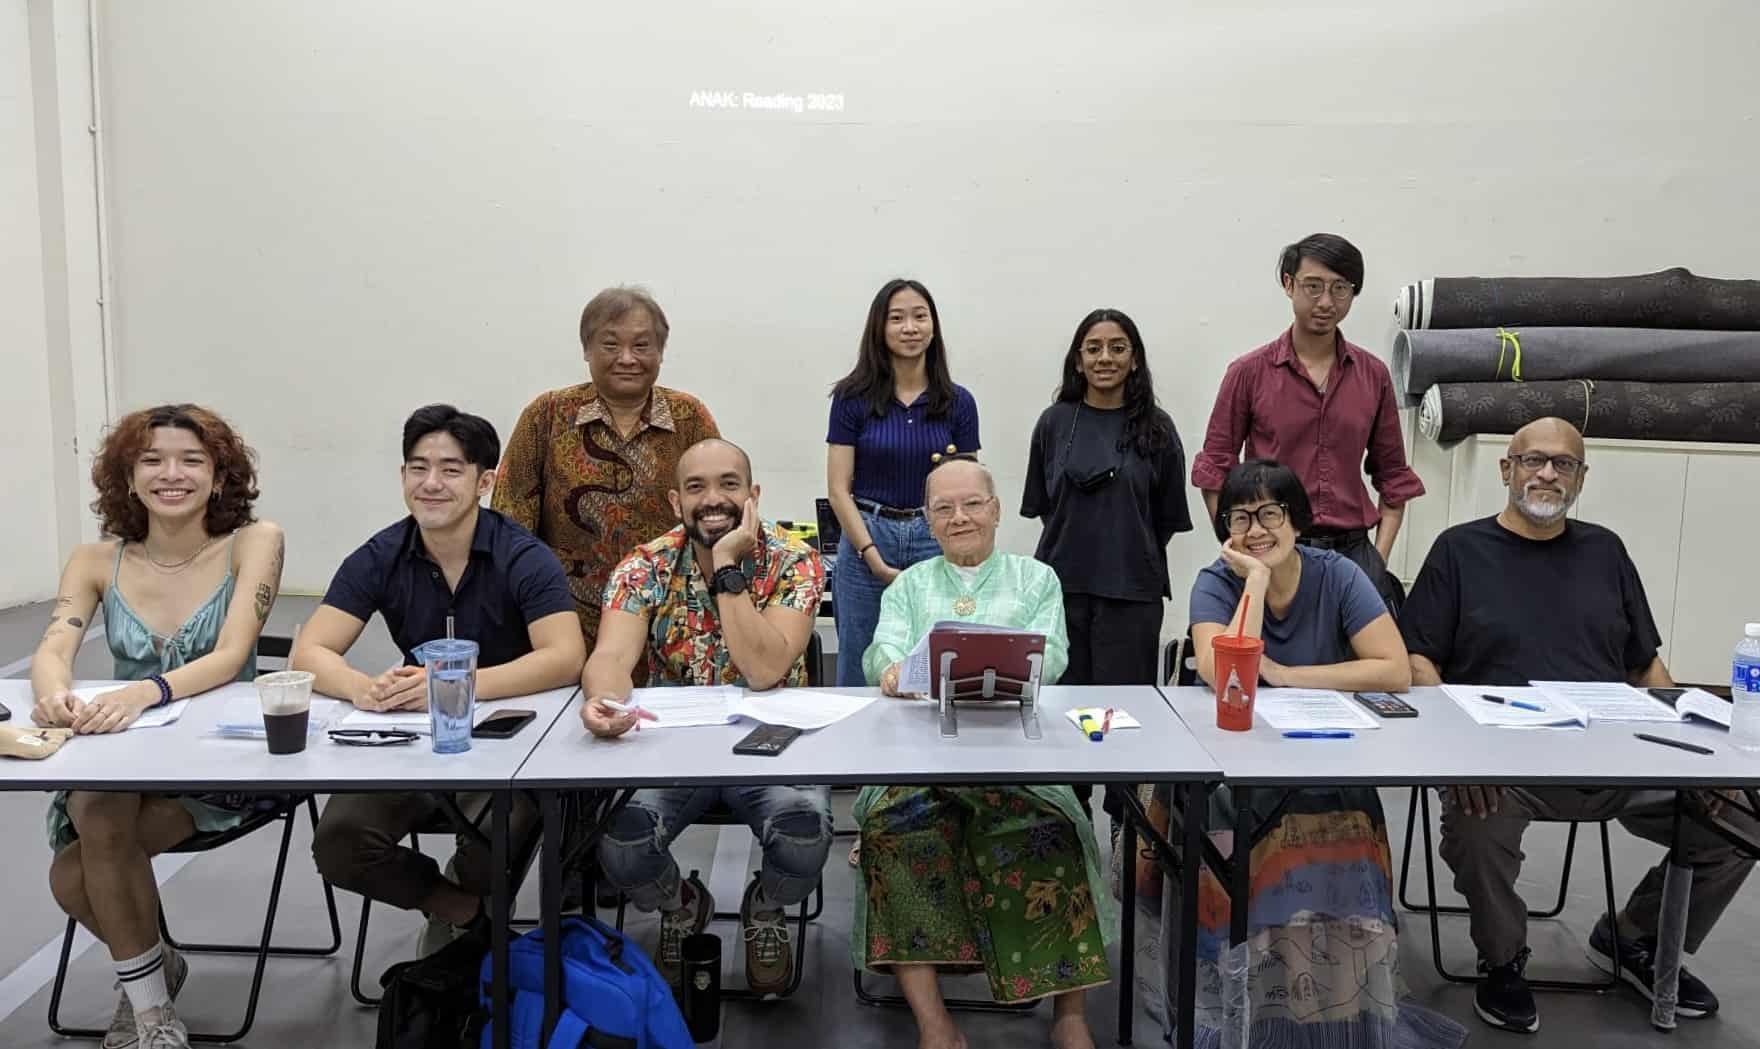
(1105, 475)
(893, 417)
(1325, 408)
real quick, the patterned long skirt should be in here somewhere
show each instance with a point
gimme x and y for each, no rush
(1322, 965)
(998, 878)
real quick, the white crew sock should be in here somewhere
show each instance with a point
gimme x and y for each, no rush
(143, 980)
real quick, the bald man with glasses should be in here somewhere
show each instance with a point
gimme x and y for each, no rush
(1531, 594)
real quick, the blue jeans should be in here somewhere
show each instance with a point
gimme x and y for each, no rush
(855, 593)
(792, 824)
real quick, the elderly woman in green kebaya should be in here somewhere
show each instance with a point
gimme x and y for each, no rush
(1003, 879)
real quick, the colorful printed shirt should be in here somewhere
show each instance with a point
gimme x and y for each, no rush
(661, 580)
(1008, 590)
(573, 481)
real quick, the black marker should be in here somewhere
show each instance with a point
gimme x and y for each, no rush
(1675, 743)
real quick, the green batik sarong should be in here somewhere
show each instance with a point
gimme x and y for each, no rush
(998, 878)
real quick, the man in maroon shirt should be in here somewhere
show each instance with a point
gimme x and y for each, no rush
(1324, 408)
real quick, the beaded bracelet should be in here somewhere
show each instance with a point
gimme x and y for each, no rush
(164, 690)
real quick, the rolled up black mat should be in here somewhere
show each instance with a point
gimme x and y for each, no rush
(1648, 411)
(1421, 359)
(1671, 298)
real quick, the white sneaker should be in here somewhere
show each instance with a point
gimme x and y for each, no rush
(161, 1029)
(122, 1033)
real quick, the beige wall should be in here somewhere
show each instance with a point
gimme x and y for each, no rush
(28, 524)
(325, 214)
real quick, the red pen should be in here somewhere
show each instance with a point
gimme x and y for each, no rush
(1106, 725)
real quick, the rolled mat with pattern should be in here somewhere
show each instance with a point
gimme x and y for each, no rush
(1672, 298)
(1421, 359)
(1648, 411)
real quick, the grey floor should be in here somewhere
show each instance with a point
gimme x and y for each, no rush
(306, 1002)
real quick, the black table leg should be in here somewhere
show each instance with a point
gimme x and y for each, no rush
(1241, 860)
(1127, 954)
(1196, 805)
(550, 906)
(499, 906)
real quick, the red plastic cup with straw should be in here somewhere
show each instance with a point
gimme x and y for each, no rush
(1237, 673)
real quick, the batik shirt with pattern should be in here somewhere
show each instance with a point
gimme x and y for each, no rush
(662, 580)
(593, 495)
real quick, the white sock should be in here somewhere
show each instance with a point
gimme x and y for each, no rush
(143, 980)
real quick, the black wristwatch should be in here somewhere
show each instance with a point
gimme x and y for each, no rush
(728, 580)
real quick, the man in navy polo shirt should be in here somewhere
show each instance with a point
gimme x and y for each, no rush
(504, 590)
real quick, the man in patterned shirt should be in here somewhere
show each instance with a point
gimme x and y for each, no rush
(587, 466)
(725, 598)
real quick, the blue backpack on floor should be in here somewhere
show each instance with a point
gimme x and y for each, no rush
(612, 996)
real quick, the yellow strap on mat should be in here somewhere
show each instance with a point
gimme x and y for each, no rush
(1509, 342)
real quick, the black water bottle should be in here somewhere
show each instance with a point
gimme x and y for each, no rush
(700, 960)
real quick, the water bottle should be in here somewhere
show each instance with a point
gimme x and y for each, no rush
(452, 692)
(1744, 691)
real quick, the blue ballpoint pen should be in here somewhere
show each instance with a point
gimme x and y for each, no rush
(1519, 704)
(1318, 734)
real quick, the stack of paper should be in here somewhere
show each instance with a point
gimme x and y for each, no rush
(157, 717)
(1308, 710)
(1697, 703)
(801, 708)
(1552, 713)
(1607, 700)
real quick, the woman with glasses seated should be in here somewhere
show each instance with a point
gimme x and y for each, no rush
(185, 579)
(1323, 940)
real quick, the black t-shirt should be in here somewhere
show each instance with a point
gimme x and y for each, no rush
(1494, 608)
(1108, 539)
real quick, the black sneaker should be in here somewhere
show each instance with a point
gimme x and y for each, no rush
(1503, 999)
(1637, 966)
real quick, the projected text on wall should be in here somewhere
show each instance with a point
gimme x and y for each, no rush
(771, 103)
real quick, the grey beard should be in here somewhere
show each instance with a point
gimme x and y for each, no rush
(1544, 513)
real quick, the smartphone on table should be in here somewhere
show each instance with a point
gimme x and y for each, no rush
(767, 740)
(1386, 705)
(503, 724)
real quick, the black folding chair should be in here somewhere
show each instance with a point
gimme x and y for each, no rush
(1179, 662)
(443, 823)
(1418, 814)
(284, 810)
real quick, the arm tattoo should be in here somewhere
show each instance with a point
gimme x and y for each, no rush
(266, 591)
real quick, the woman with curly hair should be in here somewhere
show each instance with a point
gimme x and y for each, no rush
(186, 579)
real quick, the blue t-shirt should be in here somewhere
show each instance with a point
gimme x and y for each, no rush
(1333, 602)
(893, 451)
(512, 580)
